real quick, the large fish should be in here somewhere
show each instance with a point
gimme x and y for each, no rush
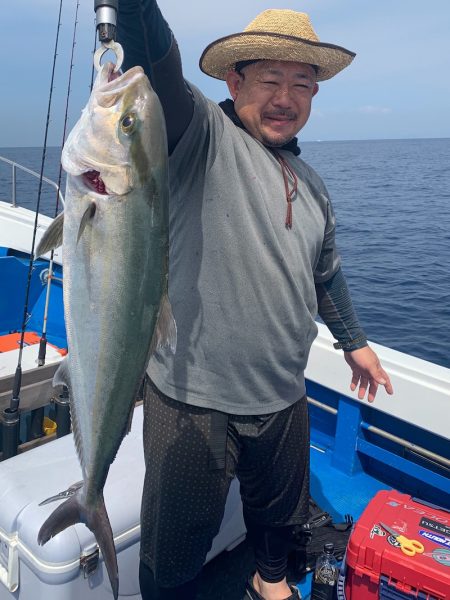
(114, 231)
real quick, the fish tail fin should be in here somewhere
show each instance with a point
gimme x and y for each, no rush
(73, 511)
(65, 515)
(99, 524)
(166, 328)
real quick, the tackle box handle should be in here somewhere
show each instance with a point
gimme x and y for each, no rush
(431, 505)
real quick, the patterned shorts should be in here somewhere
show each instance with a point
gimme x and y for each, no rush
(192, 454)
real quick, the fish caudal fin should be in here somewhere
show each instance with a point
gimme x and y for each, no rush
(166, 329)
(73, 511)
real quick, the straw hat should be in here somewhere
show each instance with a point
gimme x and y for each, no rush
(275, 34)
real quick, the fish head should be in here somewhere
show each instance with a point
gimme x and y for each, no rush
(109, 147)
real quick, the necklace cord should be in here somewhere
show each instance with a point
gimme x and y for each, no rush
(287, 171)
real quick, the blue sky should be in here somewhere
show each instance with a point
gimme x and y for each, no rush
(398, 86)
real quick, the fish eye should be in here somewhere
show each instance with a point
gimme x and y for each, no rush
(128, 122)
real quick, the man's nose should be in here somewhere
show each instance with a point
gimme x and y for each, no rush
(282, 95)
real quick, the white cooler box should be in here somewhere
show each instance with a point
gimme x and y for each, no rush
(68, 566)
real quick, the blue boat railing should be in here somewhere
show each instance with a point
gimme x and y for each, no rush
(15, 166)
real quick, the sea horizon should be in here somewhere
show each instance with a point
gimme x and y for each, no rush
(301, 141)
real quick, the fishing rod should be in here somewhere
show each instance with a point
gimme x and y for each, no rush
(43, 340)
(62, 402)
(11, 416)
(93, 66)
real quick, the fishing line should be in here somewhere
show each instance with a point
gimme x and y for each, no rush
(14, 404)
(43, 341)
(93, 54)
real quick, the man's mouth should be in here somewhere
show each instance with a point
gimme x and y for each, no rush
(280, 117)
(278, 120)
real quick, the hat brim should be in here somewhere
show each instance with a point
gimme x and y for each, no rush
(220, 56)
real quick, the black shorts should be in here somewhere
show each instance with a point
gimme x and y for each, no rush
(192, 454)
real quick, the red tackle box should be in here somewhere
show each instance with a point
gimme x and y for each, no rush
(376, 566)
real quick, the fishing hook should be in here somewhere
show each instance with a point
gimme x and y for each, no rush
(111, 45)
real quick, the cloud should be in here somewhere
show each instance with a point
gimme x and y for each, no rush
(374, 110)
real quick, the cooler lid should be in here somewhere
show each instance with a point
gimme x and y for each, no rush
(30, 478)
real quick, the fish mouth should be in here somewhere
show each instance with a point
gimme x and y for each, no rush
(112, 75)
(111, 86)
(94, 182)
(109, 181)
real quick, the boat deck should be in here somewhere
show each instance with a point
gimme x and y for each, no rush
(224, 577)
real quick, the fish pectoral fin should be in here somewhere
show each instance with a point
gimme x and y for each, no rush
(87, 216)
(52, 238)
(165, 335)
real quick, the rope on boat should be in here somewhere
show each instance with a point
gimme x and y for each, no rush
(15, 400)
(43, 340)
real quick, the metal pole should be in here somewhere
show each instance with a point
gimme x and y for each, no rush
(14, 185)
(10, 431)
(408, 445)
(37, 420)
(62, 406)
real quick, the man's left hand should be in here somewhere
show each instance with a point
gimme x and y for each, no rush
(367, 373)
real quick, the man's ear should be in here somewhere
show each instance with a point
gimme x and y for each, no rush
(233, 80)
(315, 89)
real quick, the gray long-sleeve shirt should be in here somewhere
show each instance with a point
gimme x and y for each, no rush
(242, 285)
(243, 288)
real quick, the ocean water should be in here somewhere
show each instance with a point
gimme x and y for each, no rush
(392, 203)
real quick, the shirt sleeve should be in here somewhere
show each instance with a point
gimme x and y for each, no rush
(336, 310)
(149, 42)
(329, 259)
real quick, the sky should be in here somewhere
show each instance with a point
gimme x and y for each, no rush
(398, 86)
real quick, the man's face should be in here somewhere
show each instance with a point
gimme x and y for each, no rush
(273, 98)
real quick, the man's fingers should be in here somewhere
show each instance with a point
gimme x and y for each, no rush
(382, 378)
(372, 390)
(388, 385)
(364, 382)
(367, 374)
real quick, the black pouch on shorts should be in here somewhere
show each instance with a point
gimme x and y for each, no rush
(310, 537)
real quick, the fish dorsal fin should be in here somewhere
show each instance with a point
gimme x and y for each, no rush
(62, 377)
(165, 335)
(52, 238)
(87, 216)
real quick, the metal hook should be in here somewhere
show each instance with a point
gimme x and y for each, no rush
(111, 45)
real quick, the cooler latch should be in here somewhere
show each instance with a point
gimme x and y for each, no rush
(9, 574)
(89, 562)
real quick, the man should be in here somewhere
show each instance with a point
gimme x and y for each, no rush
(252, 260)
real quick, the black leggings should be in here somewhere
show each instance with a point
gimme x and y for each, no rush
(270, 546)
(151, 591)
